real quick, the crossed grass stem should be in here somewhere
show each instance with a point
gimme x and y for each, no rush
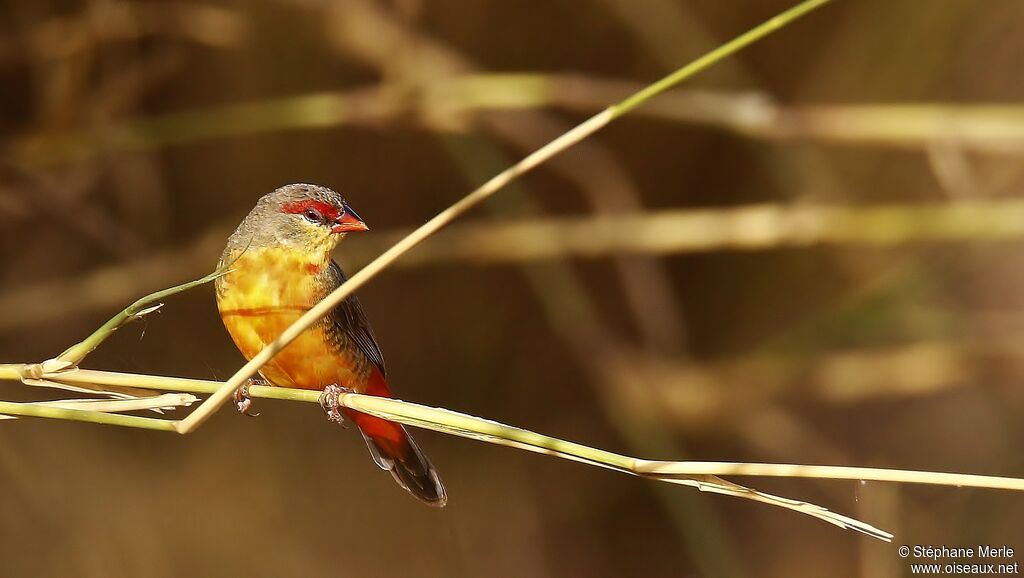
(64, 372)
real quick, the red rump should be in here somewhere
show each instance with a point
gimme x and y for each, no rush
(389, 436)
(329, 211)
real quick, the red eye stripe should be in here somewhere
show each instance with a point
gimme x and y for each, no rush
(329, 211)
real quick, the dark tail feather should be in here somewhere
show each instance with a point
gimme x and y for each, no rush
(394, 450)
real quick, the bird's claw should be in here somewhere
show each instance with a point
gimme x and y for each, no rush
(242, 400)
(330, 405)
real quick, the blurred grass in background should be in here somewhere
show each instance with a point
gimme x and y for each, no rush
(137, 134)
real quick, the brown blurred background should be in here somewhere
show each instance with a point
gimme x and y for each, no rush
(135, 135)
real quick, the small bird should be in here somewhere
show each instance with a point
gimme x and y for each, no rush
(280, 266)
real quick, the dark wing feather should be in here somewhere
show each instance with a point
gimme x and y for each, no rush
(350, 320)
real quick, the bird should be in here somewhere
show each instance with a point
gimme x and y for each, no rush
(279, 266)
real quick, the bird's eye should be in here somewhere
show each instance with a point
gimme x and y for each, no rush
(313, 216)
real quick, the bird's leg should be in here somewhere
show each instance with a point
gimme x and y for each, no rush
(329, 402)
(241, 397)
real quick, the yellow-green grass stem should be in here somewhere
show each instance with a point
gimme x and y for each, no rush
(84, 415)
(422, 416)
(447, 421)
(76, 353)
(713, 57)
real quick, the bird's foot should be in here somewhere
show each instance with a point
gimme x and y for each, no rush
(330, 405)
(242, 400)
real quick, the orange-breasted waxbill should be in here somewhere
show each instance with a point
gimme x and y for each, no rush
(281, 266)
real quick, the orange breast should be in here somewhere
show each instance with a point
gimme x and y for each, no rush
(267, 290)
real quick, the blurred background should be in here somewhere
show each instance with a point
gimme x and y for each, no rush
(810, 253)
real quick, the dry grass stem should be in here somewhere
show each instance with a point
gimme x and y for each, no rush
(983, 128)
(753, 227)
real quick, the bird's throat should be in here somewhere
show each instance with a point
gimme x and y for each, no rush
(263, 278)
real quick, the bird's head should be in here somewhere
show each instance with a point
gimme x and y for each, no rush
(308, 218)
